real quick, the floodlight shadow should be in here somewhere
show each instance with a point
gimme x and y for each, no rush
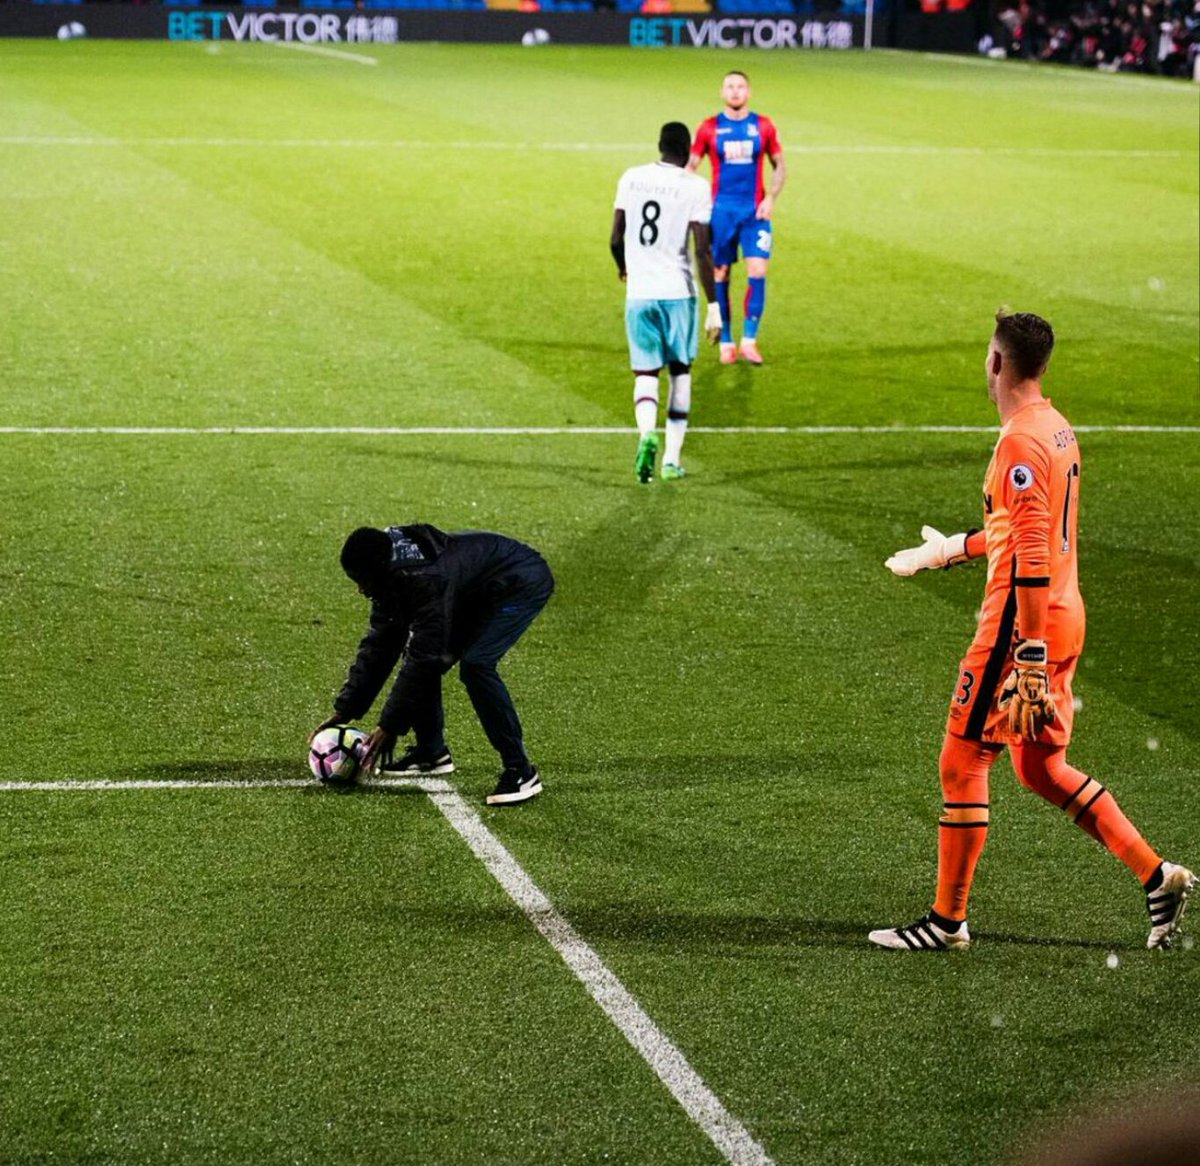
(921, 461)
(989, 937)
(711, 932)
(237, 769)
(615, 350)
(683, 770)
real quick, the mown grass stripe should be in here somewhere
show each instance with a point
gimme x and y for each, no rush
(671, 1067)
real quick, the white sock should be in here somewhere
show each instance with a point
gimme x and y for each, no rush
(678, 404)
(645, 403)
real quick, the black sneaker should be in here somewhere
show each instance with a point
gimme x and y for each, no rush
(420, 761)
(514, 786)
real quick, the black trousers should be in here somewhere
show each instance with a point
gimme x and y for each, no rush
(498, 627)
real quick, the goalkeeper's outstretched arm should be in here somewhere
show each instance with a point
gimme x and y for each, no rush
(937, 551)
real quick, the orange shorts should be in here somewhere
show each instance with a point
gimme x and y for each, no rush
(981, 675)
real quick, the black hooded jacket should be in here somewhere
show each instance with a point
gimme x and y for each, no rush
(434, 595)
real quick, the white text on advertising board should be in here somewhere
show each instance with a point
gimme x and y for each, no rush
(304, 27)
(746, 33)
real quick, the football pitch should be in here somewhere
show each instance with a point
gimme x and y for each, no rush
(257, 296)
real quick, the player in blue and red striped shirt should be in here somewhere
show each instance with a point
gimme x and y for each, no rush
(735, 142)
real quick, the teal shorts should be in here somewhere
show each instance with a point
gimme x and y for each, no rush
(661, 332)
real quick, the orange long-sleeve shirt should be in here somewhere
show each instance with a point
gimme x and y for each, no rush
(1031, 509)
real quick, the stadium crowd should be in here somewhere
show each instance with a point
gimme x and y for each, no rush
(1151, 36)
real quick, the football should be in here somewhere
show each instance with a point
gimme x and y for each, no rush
(334, 753)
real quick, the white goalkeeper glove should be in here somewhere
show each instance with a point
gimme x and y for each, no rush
(938, 550)
(712, 323)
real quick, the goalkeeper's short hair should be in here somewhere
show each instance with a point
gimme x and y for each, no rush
(1026, 340)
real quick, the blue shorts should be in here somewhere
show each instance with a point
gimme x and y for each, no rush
(732, 229)
(661, 332)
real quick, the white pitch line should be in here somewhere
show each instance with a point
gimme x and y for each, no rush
(687, 1087)
(840, 150)
(426, 784)
(322, 51)
(699, 1102)
(994, 151)
(317, 143)
(519, 430)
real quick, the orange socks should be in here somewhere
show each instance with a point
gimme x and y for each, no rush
(962, 829)
(1044, 769)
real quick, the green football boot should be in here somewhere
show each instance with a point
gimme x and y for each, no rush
(643, 464)
(672, 472)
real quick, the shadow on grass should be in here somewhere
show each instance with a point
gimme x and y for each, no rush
(259, 769)
(723, 934)
(676, 932)
(725, 393)
(619, 922)
(589, 776)
(905, 457)
(713, 932)
(608, 349)
(990, 937)
(238, 769)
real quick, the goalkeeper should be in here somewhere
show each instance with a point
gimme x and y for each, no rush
(1014, 684)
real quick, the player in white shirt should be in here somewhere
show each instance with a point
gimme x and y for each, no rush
(658, 208)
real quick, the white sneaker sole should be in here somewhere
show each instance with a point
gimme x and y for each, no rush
(890, 939)
(518, 796)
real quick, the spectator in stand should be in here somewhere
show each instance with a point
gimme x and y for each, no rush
(1152, 36)
(1059, 45)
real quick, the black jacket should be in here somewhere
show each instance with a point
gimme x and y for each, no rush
(438, 590)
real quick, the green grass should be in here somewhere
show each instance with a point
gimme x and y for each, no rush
(737, 710)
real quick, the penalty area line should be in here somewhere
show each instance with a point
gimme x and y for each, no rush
(735, 1143)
